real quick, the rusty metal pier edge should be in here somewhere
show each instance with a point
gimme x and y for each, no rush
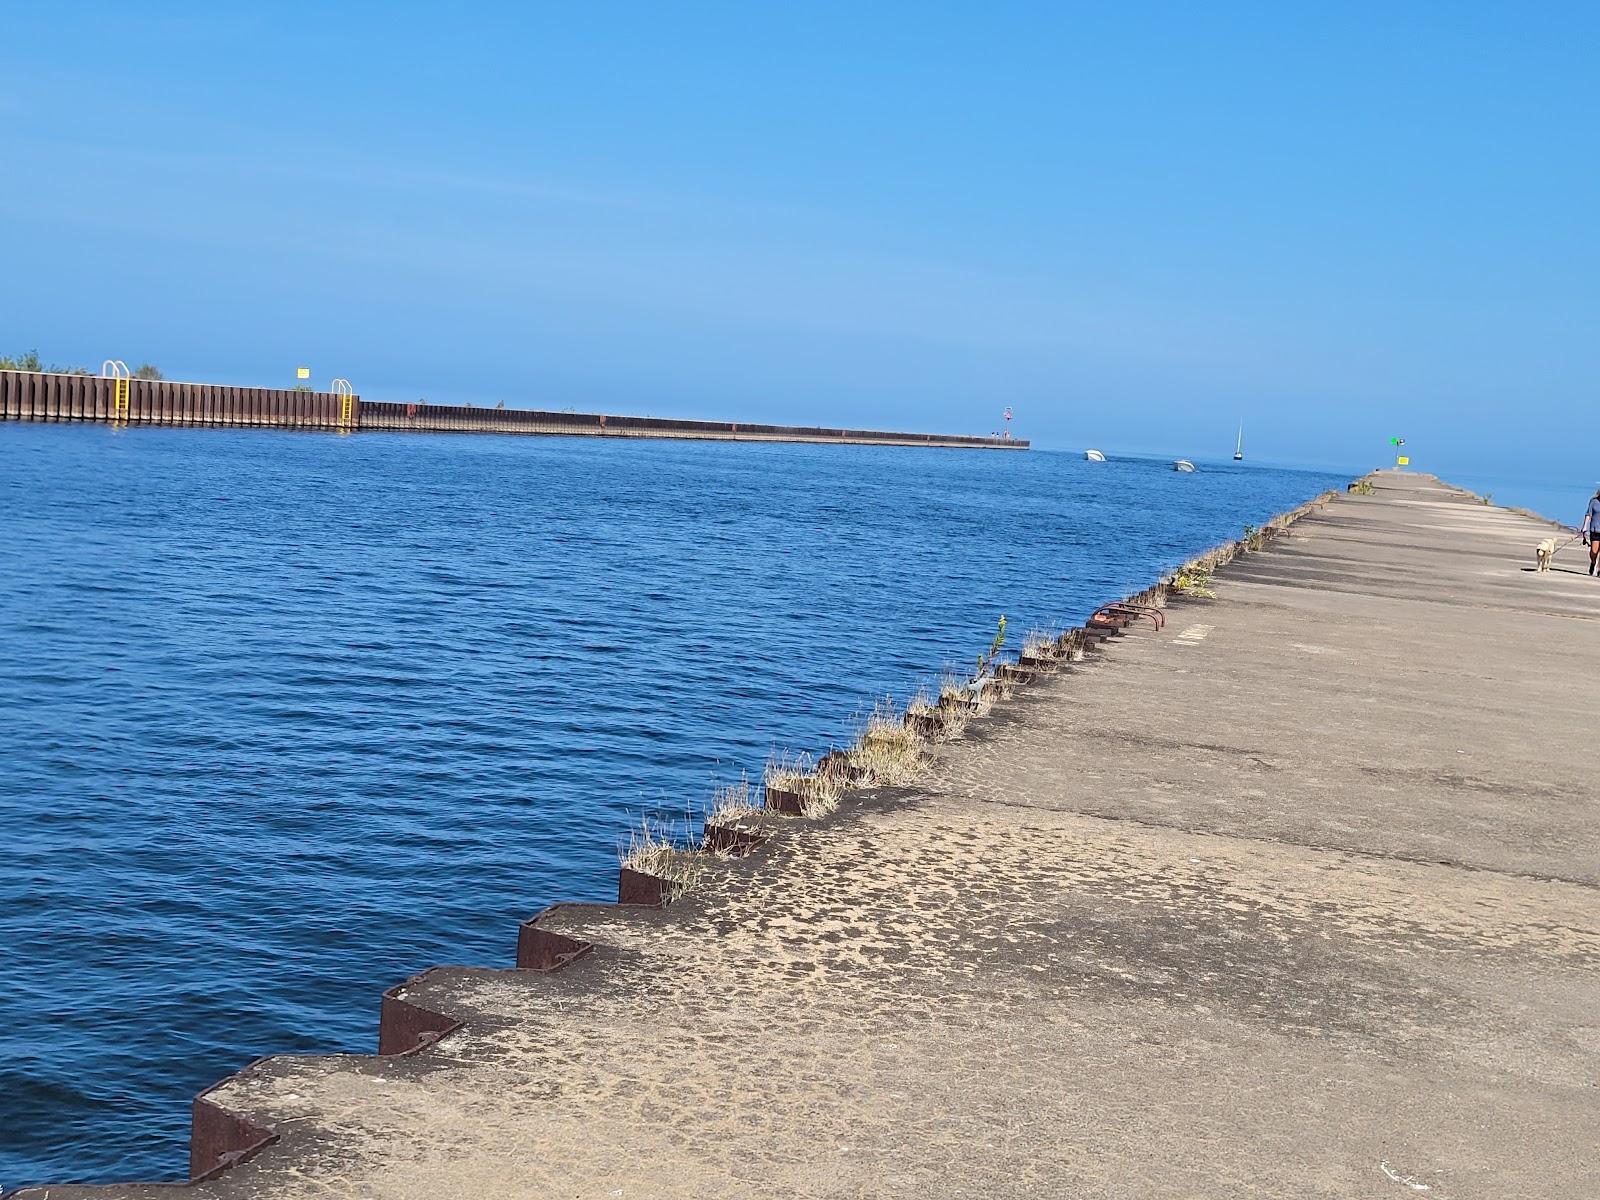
(119, 400)
(220, 1139)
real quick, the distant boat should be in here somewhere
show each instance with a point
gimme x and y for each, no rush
(1094, 456)
(1182, 464)
(1238, 447)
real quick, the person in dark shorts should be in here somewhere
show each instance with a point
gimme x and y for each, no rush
(1591, 531)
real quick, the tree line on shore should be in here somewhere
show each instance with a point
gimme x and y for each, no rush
(32, 362)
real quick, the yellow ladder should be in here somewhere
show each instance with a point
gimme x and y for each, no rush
(347, 403)
(117, 370)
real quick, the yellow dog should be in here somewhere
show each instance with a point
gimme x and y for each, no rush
(1543, 553)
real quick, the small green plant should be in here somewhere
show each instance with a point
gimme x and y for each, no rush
(1252, 537)
(1486, 498)
(986, 661)
(1193, 582)
(1364, 487)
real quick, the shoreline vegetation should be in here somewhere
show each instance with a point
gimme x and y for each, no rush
(894, 746)
(31, 363)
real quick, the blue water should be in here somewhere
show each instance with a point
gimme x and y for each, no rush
(1561, 500)
(285, 718)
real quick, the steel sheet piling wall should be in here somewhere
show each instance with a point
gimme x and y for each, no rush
(440, 418)
(39, 396)
(36, 396)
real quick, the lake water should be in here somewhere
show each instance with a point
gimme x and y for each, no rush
(285, 718)
(1560, 500)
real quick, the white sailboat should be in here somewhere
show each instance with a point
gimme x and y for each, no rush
(1238, 447)
(1094, 456)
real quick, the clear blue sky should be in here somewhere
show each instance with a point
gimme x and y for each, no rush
(1133, 224)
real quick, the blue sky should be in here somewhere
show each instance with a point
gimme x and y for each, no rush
(1133, 224)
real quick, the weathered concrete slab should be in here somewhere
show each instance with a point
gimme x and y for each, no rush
(1298, 897)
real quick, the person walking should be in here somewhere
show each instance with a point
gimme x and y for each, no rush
(1591, 531)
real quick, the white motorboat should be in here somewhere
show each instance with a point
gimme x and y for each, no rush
(1182, 464)
(1094, 456)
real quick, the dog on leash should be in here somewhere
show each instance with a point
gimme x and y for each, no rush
(1543, 553)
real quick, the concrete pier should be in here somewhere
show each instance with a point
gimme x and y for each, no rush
(1296, 897)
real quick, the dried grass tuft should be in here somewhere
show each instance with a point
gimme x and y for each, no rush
(732, 803)
(1042, 644)
(819, 792)
(654, 848)
(886, 752)
(956, 704)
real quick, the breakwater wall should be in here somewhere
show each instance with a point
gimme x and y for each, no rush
(232, 1123)
(37, 396)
